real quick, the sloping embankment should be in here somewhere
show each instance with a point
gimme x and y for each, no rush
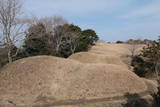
(97, 78)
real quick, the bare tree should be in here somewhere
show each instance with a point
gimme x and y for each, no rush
(72, 40)
(66, 39)
(52, 22)
(54, 27)
(59, 33)
(11, 29)
(133, 48)
(134, 44)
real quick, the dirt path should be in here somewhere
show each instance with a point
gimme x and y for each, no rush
(130, 97)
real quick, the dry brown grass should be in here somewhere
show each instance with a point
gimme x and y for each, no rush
(115, 49)
(47, 79)
(60, 79)
(93, 58)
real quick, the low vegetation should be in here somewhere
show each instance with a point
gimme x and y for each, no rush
(147, 63)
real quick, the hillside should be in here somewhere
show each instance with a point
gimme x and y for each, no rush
(97, 78)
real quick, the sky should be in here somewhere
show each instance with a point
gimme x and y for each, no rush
(112, 19)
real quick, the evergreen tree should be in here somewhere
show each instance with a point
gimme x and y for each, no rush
(36, 41)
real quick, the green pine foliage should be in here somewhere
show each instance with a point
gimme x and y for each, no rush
(36, 41)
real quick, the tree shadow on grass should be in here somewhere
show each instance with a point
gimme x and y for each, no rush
(134, 100)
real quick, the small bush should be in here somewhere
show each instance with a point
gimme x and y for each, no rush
(141, 67)
(119, 42)
(147, 64)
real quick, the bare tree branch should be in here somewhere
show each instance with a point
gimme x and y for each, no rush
(9, 13)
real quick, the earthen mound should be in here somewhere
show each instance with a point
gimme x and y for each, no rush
(50, 79)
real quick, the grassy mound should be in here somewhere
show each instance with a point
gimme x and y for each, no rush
(45, 78)
(98, 77)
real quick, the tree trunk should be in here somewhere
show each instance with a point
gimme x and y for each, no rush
(9, 56)
(156, 70)
(57, 48)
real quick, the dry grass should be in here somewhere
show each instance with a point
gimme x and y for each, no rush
(93, 58)
(46, 79)
(115, 49)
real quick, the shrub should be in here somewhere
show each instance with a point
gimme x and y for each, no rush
(119, 42)
(87, 39)
(89, 36)
(4, 55)
(148, 62)
(141, 67)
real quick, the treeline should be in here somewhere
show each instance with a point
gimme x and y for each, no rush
(54, 36)
(136, 41)
(62, 41)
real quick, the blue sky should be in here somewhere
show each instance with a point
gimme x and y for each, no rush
(112, 19)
